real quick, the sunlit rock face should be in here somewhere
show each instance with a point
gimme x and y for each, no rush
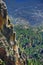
(3, 13)
(0, 22)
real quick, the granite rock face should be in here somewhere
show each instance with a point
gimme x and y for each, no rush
(3, 8)
(9, 52)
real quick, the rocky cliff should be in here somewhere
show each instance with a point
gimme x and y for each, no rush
(9, 49)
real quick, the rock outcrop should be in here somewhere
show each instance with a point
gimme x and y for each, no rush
(8, 45)
(9, 50)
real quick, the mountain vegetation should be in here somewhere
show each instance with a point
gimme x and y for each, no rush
(30, 40)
